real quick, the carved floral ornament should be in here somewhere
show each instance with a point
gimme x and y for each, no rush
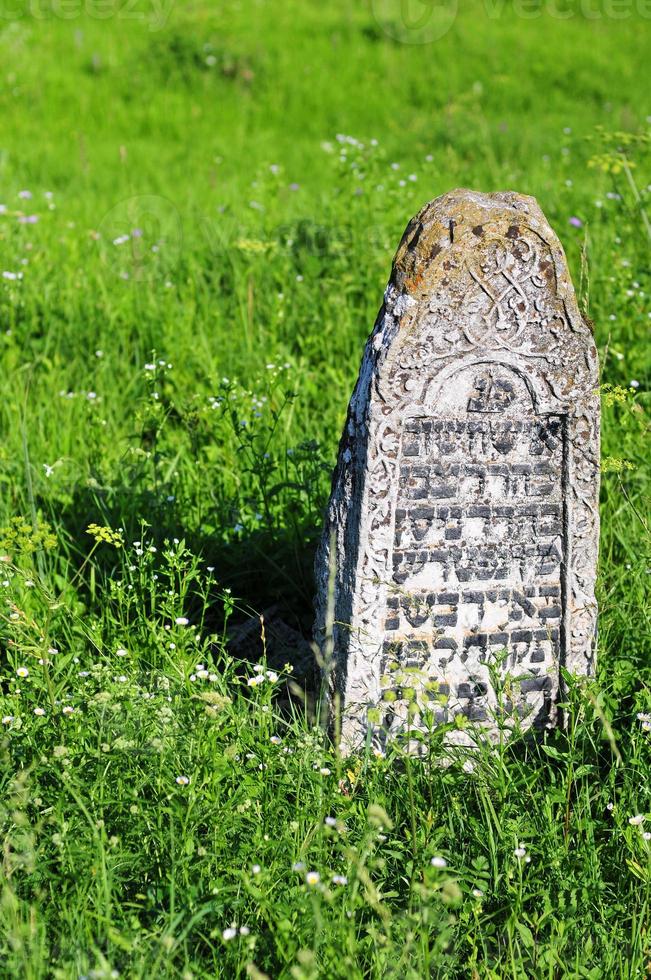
(483, 321)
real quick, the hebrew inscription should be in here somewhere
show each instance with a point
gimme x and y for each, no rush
(478, 547)
(464, 506)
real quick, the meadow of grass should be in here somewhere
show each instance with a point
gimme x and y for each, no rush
(199, 209)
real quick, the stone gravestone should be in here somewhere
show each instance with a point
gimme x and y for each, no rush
(457, 567)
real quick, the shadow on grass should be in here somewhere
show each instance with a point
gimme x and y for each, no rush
(269, 568)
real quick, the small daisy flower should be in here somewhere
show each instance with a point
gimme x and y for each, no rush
(339, 880)
(637, 820)
(275, 740)
(330, 821)
(255, 681)
(520, 851)
(7, 719)
(312, 878)
(296, 866)
(182, 780)
(477, 893)
(39, 711)
(244, 930)
(22, 672)
(439, 862)
(325, 771)
(229, 933)
(181, 621)
(256, 869)
(68, 709)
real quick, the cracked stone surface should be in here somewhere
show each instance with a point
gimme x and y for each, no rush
(456, 571)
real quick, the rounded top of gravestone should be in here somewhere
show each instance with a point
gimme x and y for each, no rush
(464, 225)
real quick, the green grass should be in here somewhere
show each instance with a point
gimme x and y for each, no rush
(213, 129)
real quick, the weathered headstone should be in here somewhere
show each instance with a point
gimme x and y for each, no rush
(462, 531)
